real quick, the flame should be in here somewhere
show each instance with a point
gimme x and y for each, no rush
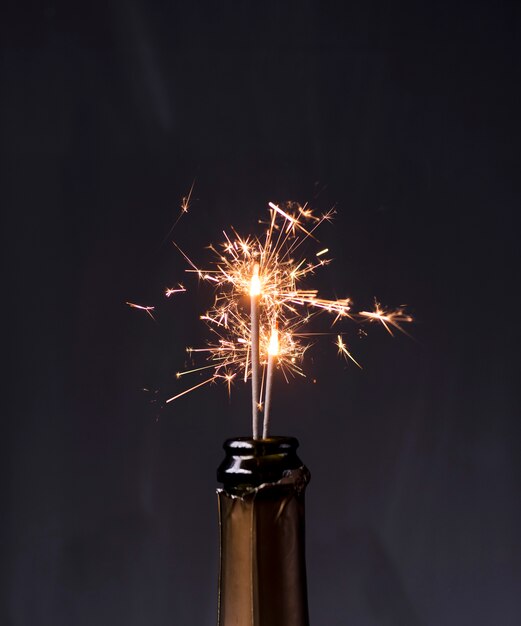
(255, 284)
(273, 346)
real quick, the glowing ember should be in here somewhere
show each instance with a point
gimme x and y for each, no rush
(147, 309)
(269, 270)
(171, 290)
(342, 349)
(387, 318)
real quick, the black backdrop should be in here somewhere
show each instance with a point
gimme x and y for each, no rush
(405, 116)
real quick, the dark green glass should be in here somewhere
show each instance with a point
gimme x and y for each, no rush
(262, 579)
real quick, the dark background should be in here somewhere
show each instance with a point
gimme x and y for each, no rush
(406, 117)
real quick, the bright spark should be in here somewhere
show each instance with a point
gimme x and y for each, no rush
(147, 309)
(185, 205)
(387, 318)
(171, 290)
(185, 201)
(342, 349)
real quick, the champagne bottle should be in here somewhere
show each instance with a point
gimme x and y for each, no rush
(262, 578)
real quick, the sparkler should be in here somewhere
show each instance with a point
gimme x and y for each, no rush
(255, 292)
(269, 270)
(273, 351)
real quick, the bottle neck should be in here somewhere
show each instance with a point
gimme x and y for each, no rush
(261, 517)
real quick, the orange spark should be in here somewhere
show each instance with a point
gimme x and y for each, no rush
(388, 318)
(170, 291)
(342, 349)
(147, 309)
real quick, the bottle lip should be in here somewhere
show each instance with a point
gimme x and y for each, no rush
(261, 447)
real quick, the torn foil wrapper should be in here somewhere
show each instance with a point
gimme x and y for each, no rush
(262, 578)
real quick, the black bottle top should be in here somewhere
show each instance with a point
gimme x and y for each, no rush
(249, 462)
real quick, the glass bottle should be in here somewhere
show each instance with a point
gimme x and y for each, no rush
(262, 578)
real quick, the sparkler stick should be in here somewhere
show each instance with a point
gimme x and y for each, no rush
(273, 351)
(255, 290)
